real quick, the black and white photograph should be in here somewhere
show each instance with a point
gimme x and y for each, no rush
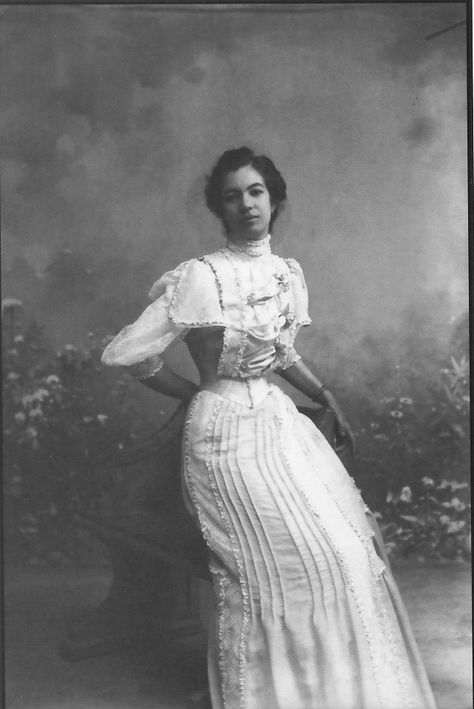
(235, 360)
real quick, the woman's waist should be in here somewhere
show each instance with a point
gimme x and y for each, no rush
(249, 391)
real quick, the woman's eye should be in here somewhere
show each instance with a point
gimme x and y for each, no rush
(256, 193)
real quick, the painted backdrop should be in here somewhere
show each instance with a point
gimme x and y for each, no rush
(112, 116)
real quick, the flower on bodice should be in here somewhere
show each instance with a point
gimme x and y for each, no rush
(282, 280)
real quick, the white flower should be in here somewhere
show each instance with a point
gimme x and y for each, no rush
(12, 377)
(52, 379)
(33, 399)
(396, 414)
(406, 400)
(87, 419)
(455, 526)
(102, 418)
(457, 486)
(444, 519)
(18, 338)
(34, 413)
(427, 482)
(374, 426)
(405, 495)
(458, 505)
(20, 417)
(70, 348)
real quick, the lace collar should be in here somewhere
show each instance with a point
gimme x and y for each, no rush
(250, 247)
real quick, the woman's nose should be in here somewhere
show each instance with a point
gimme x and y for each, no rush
(247, 201)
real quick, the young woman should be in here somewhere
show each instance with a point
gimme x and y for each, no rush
(307, 616)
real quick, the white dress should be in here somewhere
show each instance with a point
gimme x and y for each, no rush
(307, 616)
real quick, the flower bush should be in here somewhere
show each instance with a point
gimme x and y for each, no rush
(62, 413)
(408, 451)
(433, 523)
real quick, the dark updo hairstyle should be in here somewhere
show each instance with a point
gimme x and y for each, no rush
(232, 160)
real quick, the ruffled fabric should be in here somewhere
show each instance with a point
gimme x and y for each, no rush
(260, 300)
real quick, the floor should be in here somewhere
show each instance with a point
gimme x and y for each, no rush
(37, 601)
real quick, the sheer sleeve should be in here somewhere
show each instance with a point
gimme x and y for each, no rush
(138, 346)
(184, 298)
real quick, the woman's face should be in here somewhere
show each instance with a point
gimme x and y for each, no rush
(246, 205)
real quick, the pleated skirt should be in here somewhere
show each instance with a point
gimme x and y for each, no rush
(306, 615)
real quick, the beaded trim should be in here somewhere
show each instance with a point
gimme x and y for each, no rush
(235, 550)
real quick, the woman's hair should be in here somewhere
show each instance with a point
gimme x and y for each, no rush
(232, 160)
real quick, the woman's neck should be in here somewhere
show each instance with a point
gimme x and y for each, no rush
(251, 247)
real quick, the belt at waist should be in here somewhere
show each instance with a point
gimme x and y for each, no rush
(249, 392)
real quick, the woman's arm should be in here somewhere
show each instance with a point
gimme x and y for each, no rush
(165, 381)
(307, 383)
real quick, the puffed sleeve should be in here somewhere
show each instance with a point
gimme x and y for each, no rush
(183, 298)
(298, 317)
(299, 293)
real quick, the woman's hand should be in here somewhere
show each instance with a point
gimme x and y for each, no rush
(344, 431)
(305, 381)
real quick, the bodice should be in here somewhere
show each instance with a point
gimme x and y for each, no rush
(258, 316)
(237, 309)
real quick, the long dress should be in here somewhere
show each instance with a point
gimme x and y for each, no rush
(306, 614)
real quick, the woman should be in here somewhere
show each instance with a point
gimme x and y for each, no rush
(307, 616)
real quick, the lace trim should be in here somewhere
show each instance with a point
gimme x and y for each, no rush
(147, 368)
(209, 441)
(187, 469)
(228, 619)
(226, 343)
(243, 306)
(251, 247)
(171, 315)
(295, 269)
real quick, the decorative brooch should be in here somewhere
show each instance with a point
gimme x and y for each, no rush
(282, 280)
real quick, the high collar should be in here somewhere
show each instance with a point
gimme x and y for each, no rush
(251, 247)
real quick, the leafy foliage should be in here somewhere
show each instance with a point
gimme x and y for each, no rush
(62, 413)
(414, 465)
